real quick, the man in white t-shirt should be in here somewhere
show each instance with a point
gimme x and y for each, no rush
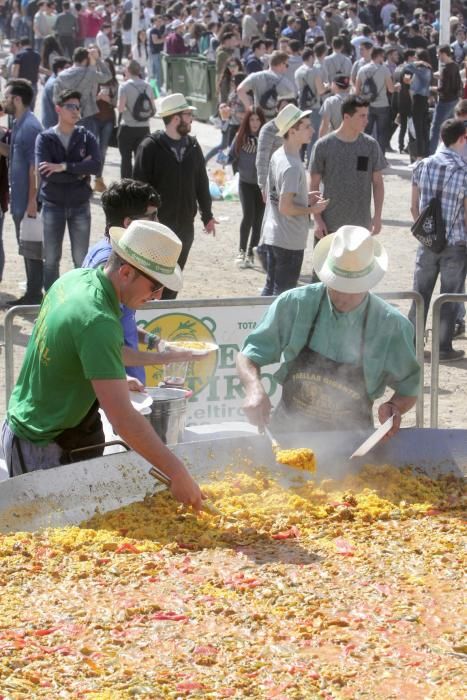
(289, 204)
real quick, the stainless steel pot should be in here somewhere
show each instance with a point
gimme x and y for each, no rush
(168, 413)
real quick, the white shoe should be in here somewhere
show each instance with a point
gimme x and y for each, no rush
(240, 259)
(249, 261)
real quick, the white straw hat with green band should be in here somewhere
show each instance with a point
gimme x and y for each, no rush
(152, 248)
(174, 104)
(288, 117)
(350, 260)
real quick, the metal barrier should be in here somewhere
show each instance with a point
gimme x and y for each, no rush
(32, 311)
(435, 330)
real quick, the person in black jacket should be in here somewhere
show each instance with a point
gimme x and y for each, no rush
(66, 156)
(173, 163)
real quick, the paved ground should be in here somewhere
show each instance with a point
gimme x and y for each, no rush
(211, 272)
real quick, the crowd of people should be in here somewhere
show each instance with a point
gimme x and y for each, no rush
(309, 97)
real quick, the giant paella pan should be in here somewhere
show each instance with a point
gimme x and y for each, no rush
(346, 583)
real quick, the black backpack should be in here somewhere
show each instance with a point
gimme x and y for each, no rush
(369, 88)
(127, 21)
(268, 99)
(143, 109)
(307, 98)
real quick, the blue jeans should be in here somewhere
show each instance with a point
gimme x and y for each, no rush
(443, 111)
(34, 271)
(283, 269)
(381, 118)
(155, 68)
(90, 123)
(79, 228)
(451, 265)
(104, 132)
(220, 147)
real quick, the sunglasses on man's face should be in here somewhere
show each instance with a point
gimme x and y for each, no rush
(71, 107)
(156, 286)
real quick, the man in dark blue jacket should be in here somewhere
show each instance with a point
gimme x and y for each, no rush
(66, 156)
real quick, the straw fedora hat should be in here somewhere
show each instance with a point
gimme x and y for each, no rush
(350, 260)
(152, 248)
(288, 116)
(174, 104)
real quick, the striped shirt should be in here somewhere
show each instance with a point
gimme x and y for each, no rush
(426, 177)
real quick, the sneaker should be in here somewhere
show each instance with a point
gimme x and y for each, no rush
(24, 301)
(99, 185)
(249, 261)
(240, 259)
(450, 355)
(459, 329)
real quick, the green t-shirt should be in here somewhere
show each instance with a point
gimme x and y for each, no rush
(389, 351)
(77, 337)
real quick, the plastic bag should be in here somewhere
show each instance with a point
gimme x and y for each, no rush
(31, 235)
(214, 190)
(230, 191)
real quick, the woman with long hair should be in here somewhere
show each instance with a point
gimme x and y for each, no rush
(225, 84)
(419, 92)
(243, 155)
(105, 119)
(51, 50)
(139, 51)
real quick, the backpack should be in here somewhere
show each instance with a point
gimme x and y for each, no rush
(369, 88)
(143, 109)
(307, 98)
(268, 100)
(127, 21)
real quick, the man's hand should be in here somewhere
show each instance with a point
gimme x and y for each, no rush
(93, 56)
(316, 202)
(31, 211)
(185, 490)
(320, 229)
(134, 384)
(375, 227)
(49, 168)
(257, 406)
(385, 411)
(210, 227)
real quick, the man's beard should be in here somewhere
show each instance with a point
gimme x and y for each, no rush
(183, 128)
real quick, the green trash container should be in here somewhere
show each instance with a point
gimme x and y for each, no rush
(175, 73)
(194, 77)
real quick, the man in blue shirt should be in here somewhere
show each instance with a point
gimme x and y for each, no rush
(124, 202)
(445, 171)
(66, 156)
(18, 98)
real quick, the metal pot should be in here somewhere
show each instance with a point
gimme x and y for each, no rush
(168, 413)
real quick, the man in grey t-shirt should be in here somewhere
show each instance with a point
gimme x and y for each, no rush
(267, 86)
(288, 205)
(349, 164)
(331, 111)
(374, 82)
(131, 131)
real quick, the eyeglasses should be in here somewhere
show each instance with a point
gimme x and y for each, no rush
(156, 286)
(71, 107)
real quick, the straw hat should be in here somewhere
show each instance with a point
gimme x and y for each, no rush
(288, 117)
(174, 104)
(152, 248)
(350, 260)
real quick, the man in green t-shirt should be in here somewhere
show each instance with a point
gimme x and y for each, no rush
(340, 346)
(73, 362)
